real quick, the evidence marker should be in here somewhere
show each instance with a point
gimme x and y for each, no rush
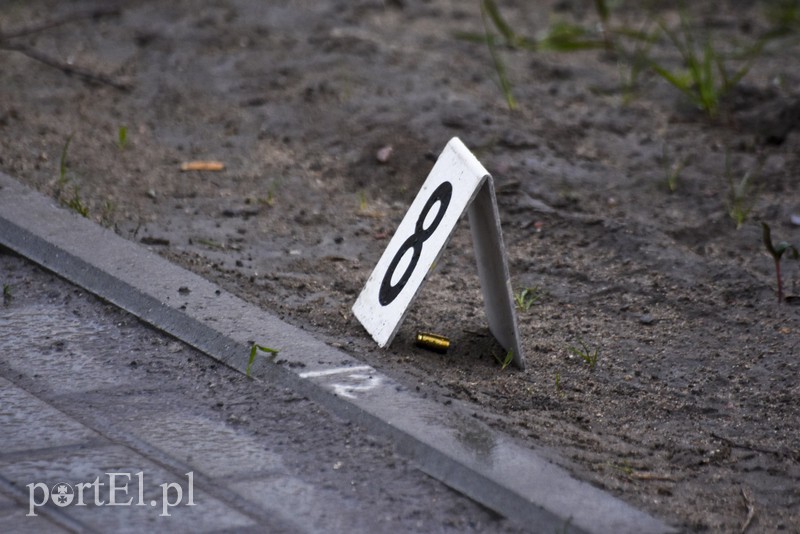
(457, 184)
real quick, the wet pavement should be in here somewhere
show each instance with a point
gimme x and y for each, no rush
(133, 430)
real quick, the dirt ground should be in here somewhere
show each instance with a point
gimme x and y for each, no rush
(692, 411)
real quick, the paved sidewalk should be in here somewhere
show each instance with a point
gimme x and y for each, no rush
(87, 390)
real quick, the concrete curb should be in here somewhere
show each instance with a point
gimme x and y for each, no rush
(463, 453)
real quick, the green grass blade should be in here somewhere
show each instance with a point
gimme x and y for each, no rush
(122, 137)
(490, 8)
(565, 37)
(499, 66)
(602, 10)
(679, 82)
(62, 167)
(506, 361)
(709, 95)
(253, 351)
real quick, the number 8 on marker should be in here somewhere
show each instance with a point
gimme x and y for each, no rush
(389, 292)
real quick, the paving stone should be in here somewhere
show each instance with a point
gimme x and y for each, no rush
(85, 466)
(13, 519)
(28, 423)
(312, 510)
(198, 441)
(60, 349)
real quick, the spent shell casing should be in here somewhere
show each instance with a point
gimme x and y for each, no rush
(432, 342)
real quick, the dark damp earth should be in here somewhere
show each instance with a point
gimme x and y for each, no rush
(618, 205)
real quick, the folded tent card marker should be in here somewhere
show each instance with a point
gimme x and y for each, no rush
(457, 183)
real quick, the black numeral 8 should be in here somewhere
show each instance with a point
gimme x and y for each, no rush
(389, 292)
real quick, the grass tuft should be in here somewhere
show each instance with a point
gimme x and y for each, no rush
(742, 194)
(527, 297)
(489, 10)
(506, 361)
(586, 354)
(8, 296)
(76, 204)
(672, 169)
(706, 76)
(559, 386)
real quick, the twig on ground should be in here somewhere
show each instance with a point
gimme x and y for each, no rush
(66, 68)
(42, 26)
(646, 475)
(50, 61)
(748, 446)
(751, 508)
(474, 332)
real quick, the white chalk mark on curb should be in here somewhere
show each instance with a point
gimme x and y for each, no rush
(328, 372)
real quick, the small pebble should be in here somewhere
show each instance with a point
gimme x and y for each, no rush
(384, 154)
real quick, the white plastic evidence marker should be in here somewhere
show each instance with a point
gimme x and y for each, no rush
(457, 181)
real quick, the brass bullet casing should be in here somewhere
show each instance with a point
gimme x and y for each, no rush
(432, 342)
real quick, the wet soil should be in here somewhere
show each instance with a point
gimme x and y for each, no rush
(692, 410)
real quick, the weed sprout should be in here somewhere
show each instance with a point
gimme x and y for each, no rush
(504, 362)
(777, 252)
(122, 137)
(527, 297)
(586, 354)
(8, 296)
(254, 350)
(742, 194)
